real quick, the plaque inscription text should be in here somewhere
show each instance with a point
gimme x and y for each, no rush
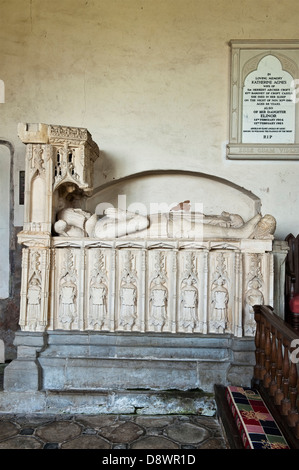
(268, 107)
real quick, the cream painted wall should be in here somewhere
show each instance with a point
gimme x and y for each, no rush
(148, 78)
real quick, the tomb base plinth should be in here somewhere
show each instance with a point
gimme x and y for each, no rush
(91, 372)
(25, 372)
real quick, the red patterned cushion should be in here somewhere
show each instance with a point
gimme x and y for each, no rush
(257, 427)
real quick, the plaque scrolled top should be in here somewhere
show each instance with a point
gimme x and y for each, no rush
(263, 112)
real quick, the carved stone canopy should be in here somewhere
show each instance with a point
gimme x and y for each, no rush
(52, 134)
(71, 150)
(55, 156)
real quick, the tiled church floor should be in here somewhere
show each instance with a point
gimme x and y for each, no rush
(82, 431)
(110, 432)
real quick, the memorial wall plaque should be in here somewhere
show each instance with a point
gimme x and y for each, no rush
(264, 114)
(268, 105)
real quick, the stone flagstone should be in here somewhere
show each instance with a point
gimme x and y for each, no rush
(110, 432)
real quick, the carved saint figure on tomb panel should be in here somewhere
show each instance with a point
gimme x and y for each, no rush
(98, 300)
(189, 299)
(219, 297)
(158, 299)
(68, 294)
(128, 297)
(33, 303)
(253, 296)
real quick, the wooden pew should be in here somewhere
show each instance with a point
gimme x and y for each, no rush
(275, 377)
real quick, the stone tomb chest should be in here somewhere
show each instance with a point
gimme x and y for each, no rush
(145, 283)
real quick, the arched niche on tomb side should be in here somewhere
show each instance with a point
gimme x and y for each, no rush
(158, 190)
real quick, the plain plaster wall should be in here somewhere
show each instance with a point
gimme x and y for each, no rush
(148, 78)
